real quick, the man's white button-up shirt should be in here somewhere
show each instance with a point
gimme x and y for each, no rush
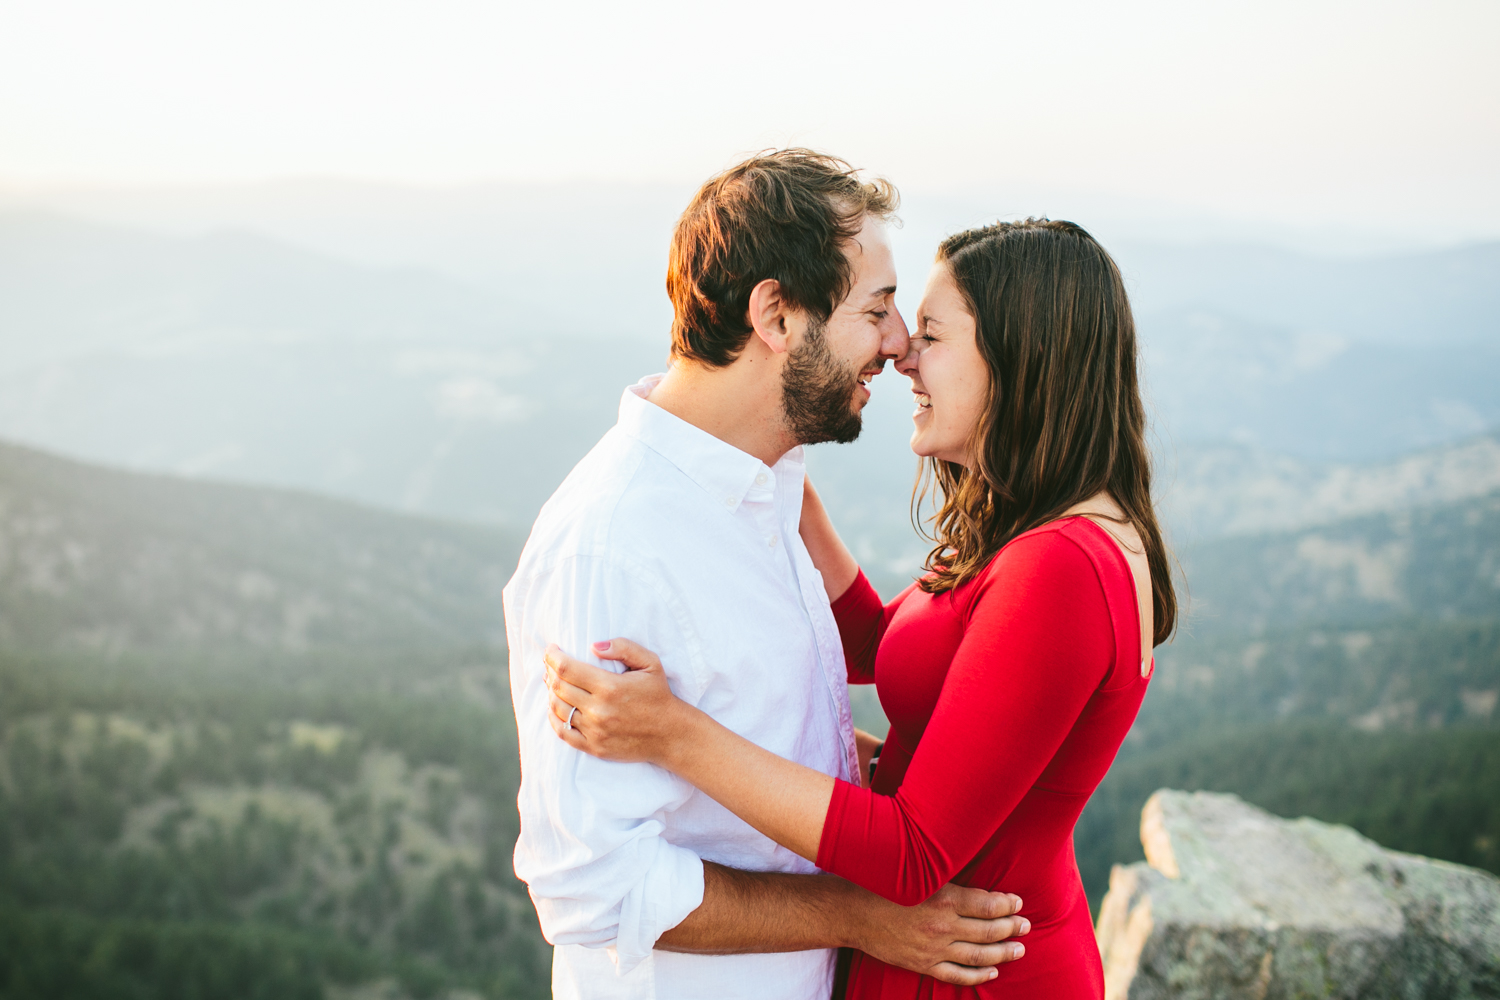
(668, 536)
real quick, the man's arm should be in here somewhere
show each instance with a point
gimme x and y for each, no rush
(591, 849)
(957, 936)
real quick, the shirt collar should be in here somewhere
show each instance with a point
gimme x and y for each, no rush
(723, 471)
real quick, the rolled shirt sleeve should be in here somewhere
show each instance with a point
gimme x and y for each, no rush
(591, 849)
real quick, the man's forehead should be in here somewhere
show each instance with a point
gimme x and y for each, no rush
(874, 263)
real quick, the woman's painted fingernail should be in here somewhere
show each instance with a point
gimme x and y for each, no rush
(601, 647)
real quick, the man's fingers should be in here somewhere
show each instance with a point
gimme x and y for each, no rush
(632, 654)
(975, 964)
(981, 904)
(981, 955)
(960, 975)
(991, 931)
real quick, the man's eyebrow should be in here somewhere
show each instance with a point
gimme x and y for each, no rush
(881, 293)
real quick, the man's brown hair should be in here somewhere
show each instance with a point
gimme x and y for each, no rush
(786, 214)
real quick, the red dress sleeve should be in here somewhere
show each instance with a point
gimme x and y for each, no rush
(1037, 643)
(862, 620)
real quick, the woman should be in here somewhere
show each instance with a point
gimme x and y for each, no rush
(1013, 669)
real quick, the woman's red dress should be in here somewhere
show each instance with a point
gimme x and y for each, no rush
(1008, 699)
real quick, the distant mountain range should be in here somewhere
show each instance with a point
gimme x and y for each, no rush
(431, 391)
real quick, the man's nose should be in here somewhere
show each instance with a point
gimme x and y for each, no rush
(895, 339)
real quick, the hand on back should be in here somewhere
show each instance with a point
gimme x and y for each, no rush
(958, 936)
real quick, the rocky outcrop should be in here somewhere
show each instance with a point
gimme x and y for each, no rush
(1235, 903)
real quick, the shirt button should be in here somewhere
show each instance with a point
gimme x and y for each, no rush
(771, 542)
(729, 501)
(760, 479)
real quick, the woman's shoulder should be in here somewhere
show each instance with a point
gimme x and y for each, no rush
(1067, 549)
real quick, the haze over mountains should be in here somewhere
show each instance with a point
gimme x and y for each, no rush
(455, 357)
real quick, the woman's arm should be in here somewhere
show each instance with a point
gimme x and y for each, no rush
(1038, 641)
(829, 554)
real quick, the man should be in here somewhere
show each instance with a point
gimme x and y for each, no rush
(679, 529)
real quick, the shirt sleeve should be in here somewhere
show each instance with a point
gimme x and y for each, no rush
(1037, 643)
(591, 849)
(862, 622)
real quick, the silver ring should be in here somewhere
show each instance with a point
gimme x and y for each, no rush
(570, 716)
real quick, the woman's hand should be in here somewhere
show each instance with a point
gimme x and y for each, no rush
(630, 717)
(635, 717)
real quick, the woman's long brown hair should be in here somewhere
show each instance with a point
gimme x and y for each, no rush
(1064, 420)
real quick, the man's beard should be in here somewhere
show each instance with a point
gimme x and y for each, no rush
(817, 393)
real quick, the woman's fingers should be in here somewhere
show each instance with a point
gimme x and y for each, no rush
(632, 654)
(564, 712)
(572, 737)
(567, 691)
(582, 675)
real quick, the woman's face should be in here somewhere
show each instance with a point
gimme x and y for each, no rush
(947, 372)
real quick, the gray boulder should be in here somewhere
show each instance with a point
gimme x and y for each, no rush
(1233, 902)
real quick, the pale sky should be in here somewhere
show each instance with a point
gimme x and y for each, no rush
(1362, 114)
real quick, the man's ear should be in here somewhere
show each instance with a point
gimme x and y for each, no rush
(768, 314)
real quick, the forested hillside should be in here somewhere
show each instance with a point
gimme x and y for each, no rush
(251, 743)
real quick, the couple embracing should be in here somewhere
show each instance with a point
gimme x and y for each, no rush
(699, 816)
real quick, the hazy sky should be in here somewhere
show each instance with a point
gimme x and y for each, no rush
(1356, 114)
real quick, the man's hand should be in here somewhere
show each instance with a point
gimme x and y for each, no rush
(957, 936)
